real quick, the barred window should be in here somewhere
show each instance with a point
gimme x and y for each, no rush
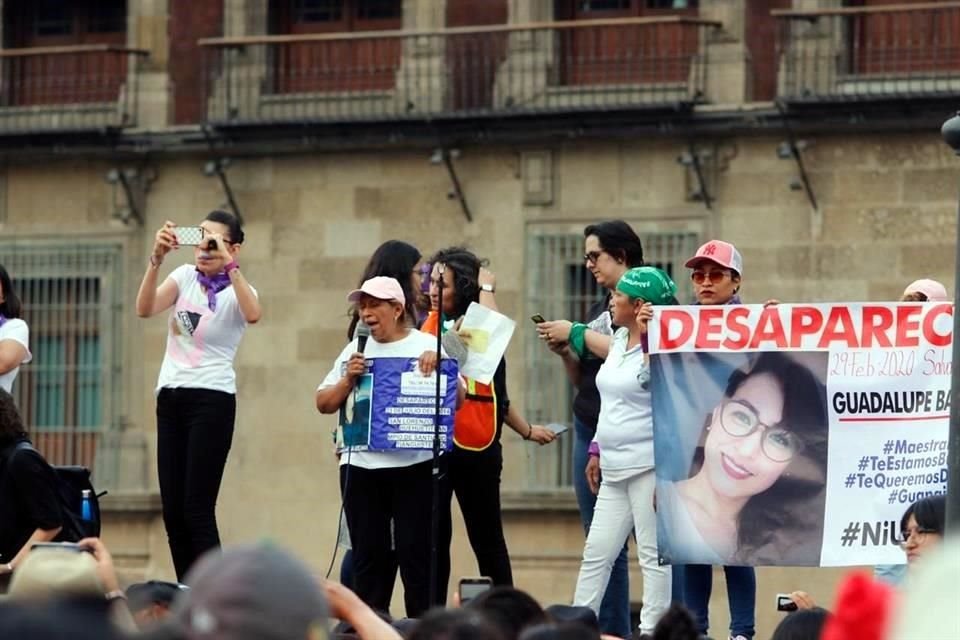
(560, 286)
(69, 394)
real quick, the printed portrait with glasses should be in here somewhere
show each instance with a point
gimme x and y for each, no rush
(753, 491)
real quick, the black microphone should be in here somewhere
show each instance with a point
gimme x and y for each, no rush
(363, 332)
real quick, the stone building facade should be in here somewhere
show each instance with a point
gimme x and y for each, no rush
(316, 204)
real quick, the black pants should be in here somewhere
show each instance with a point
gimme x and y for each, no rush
(194, 432)
(374, 497)
(475, 479)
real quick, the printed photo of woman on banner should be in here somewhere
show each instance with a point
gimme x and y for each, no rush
(741, 457)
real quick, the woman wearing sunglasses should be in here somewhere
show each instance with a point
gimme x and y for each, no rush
(716, 273)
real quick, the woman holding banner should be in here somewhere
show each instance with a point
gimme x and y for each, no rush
(383, 486)
(625, 441)
(476, 462)
(717, 268)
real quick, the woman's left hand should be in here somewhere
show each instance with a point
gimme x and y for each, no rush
(644, 315)
(220, 249)
(486, 277)
(428, 362)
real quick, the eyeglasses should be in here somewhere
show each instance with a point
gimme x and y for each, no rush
(592, 256)
(740, 420)
(918, 533)
(715, 277)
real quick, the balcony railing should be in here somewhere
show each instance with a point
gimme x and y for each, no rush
(477, 71)
(870, 53)
(68, 88)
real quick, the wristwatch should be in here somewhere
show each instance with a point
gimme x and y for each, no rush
(489, 288)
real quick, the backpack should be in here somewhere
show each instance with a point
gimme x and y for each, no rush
(71, 481)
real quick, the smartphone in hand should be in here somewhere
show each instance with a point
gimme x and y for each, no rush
(537, 318)
(63, 546)
(470, 588)
(556, 427)
(785, 603)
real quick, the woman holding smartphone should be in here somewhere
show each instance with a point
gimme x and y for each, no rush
(210, 304)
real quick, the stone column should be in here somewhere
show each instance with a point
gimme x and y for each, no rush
(522, 78)
(421, 79)
(147, 29)
(724, 53)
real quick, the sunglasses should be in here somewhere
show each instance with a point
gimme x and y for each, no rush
(715, 277)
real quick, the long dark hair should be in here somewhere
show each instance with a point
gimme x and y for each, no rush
(930, 514)
(11, 424)
(767, 515)
(618, 239)
(11, 307)
(465, 266)
(230, 221)
(805, 624)
(394, 259)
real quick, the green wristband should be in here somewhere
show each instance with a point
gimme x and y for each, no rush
(578, 338)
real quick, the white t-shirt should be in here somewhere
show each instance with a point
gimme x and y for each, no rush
(201, 344)
(411, 346)
(17, 330)
(625, 427)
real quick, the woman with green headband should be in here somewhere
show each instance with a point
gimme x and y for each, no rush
(625, 441)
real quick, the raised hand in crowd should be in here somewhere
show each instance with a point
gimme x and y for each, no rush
(345, 605)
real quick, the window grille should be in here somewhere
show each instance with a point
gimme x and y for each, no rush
(70, 394)
(560, 286)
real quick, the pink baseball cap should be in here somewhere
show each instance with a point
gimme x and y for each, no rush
(934, 291)
(723, 253)
(381, 288)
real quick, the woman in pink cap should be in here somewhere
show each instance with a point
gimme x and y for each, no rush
(384, 487)
(925, 290)
(716, 272)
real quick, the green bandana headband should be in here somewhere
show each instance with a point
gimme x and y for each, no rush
(648, 284)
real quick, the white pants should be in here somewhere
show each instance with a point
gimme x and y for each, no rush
(623, 505)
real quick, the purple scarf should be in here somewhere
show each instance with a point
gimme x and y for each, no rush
(213, 284)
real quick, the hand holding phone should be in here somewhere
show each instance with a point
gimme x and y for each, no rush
(556, 427)
(62, 546)
(785, 602)
(470, 588)
(537, 318)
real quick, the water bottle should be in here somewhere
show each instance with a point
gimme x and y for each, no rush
(86, 507)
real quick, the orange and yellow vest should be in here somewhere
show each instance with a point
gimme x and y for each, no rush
(475, 423)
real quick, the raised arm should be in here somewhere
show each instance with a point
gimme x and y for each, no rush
(152, 299)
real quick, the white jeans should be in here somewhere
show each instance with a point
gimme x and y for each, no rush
(623, 505)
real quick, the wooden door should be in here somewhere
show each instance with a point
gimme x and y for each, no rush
(473, 59)
(65, 78)
(360, 64)
(627, 54)
(905, 41)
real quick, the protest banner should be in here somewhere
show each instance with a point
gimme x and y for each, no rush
(393, 407)
(797, 434)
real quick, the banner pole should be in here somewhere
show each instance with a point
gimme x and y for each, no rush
(951, 135)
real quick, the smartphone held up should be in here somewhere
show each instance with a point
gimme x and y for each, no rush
(470, 588)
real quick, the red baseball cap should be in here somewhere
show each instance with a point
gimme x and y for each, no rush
(720, 252)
